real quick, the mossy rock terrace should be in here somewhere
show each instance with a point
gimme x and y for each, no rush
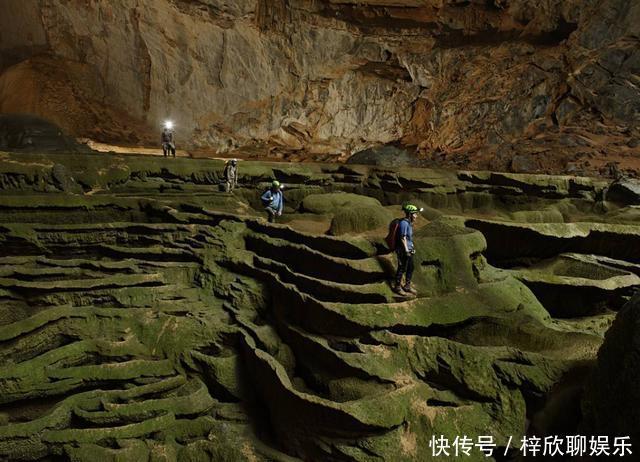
(145, 315)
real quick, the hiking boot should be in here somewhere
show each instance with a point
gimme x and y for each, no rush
(397, 288)
(409, 289)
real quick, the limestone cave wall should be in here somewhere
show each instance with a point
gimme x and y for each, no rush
(542, 85)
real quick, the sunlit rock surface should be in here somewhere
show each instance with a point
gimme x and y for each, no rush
(146, 315)
(509, 85)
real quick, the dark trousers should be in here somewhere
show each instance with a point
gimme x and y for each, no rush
(168, 148)
(271, 214)
(405, 266)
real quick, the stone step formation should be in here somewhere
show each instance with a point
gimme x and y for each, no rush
(144, 315)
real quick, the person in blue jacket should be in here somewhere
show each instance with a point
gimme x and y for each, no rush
(405, 251)
(273, 201)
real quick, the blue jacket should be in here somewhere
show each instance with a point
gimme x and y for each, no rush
(274, 200)
(405, 229)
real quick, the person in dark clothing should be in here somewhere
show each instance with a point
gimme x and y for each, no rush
(405, 251)
(168, 140)
(273, 201)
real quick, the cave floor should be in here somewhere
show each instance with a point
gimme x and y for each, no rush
(147, 315)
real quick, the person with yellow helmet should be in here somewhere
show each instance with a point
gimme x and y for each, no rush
(405, 251)
(273, 201)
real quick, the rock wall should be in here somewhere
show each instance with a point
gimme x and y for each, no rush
(500, 84)
(615, 376)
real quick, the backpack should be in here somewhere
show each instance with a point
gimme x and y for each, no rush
(392, 236)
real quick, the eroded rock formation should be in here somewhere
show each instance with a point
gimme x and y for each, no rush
(145, 315)
(499, 84)
(610, 400)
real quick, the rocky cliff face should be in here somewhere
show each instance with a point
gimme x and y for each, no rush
(500, 84)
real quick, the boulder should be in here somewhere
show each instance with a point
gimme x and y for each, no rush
(625, 192)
